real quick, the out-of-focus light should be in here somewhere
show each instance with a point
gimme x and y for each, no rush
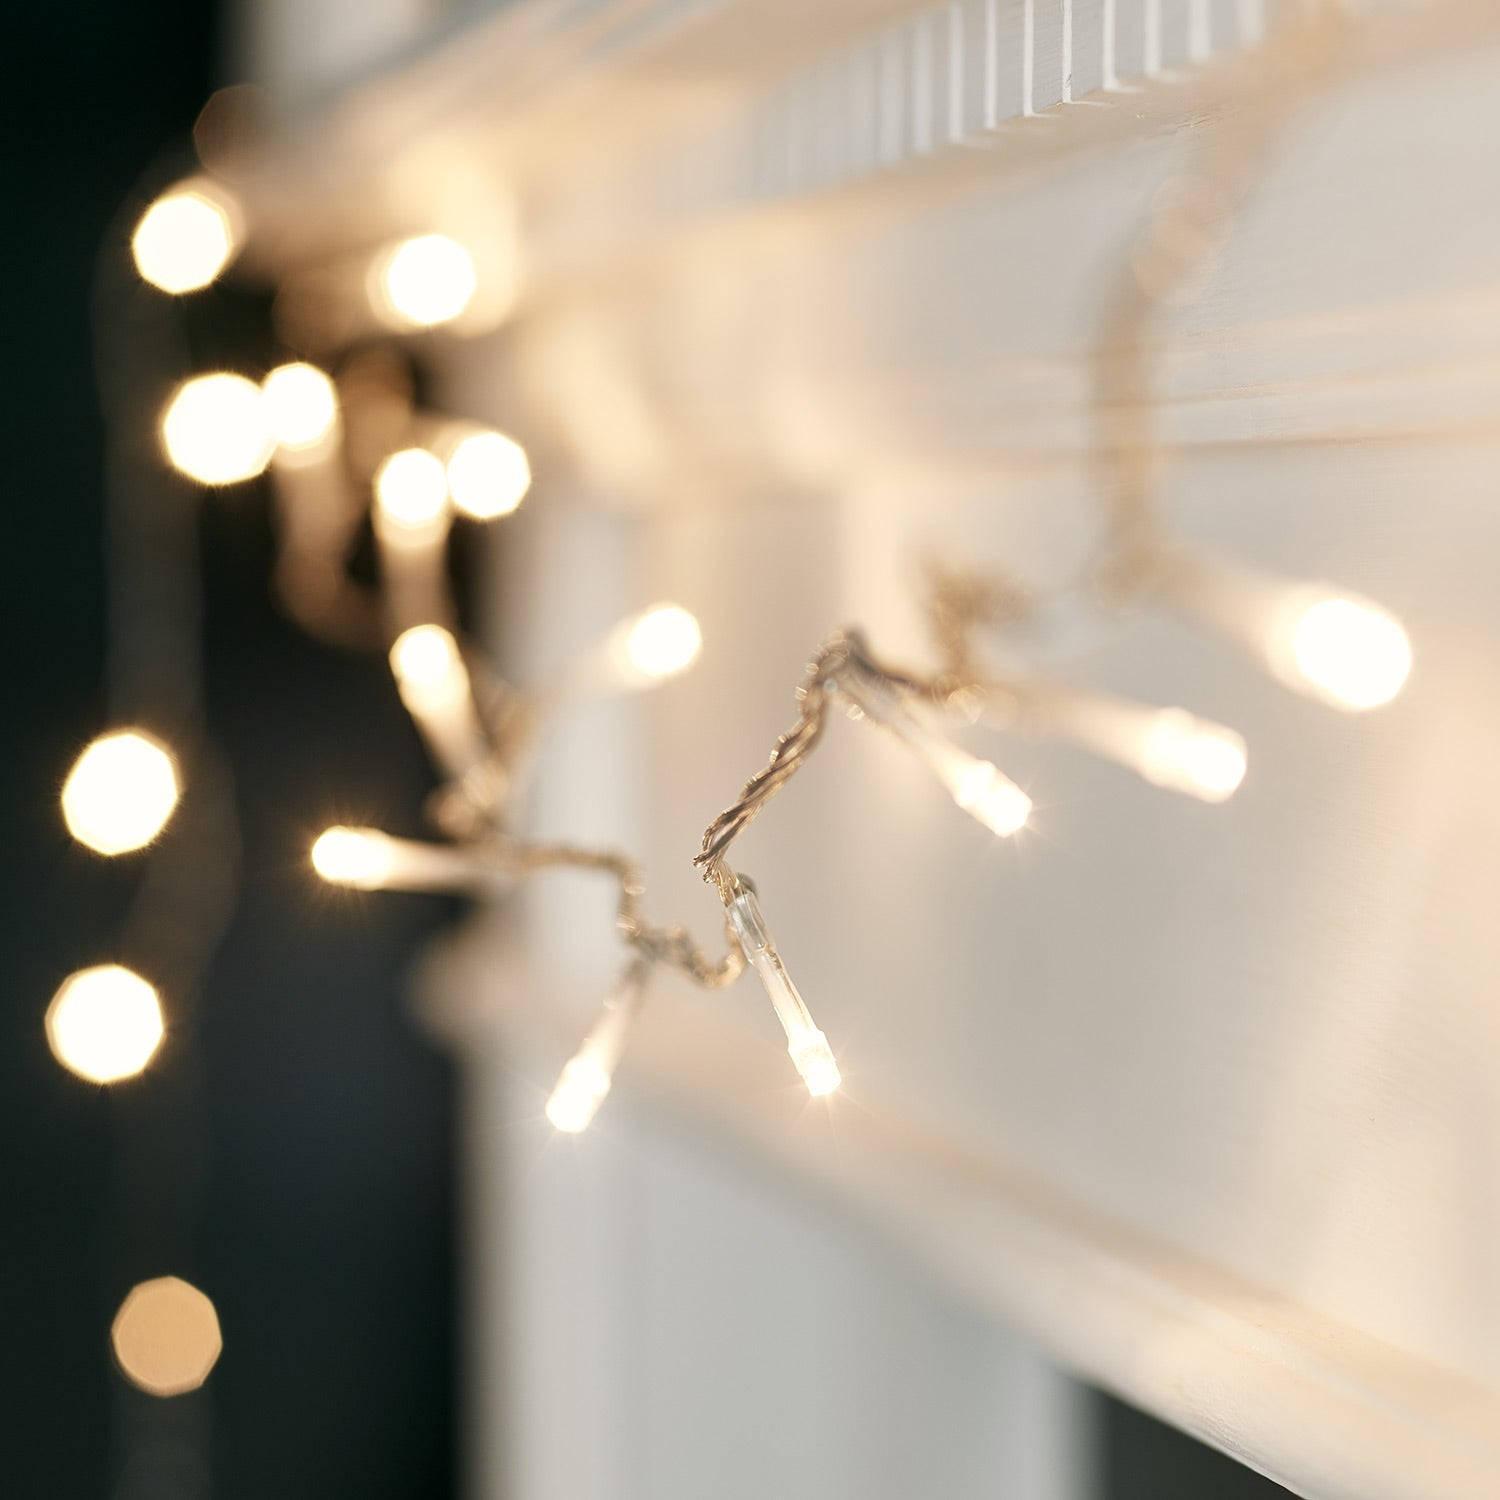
(361, 857)
(426, 281)
(1189, 754)
(166, 1336)
(104, 1023)
(579, 1093)
(488, 475)
(1351, 652)
(120, 792)
(183, 240)
(214, 429)
(428, 666)
(301, 405)
(411, 490)
(983, 791)
(663, 641)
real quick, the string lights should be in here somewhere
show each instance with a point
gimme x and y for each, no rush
(342, 450)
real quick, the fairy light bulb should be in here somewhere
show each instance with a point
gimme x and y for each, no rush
(104, 1023)
(1192, 755)
(978, 786)
(184, 239)
(1351, 652)
(425, 281)
(663, 641)
(301, 406)
(166, 1336)
(587, 1076)
(411, 493)
(428, 667)
(358, 857)
(809, 1049)
(214, 429)
(488, 475)
(120, 792)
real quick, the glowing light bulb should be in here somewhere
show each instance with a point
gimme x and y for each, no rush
(663, 641)
(359, 857)
(1351, 652)
(411, 491)
(166, 1336)
(214, 429)
(104, 1023)
(120, 792)
(301, 405)
(984, 792)
(809, 1049)
(428, 667)
(184, 239)
(1191, 755)
(426, 281)
(586, 1077)
(488, 475)
(979, 787)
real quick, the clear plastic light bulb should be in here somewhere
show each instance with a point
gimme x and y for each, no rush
(586, 1076)
(979, 787)
(1192, 755)
(104, 1023)
(1351, 652)
(488, 475)
(809, 1049)
(214, 429)
(120, 792)
(301, 405)
(663, 641)
(425, 281)
(360, 857)
(429, 668)
(185, 238)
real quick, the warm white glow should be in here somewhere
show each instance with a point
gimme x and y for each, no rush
(166, 1336)
(809, 1049)
(301, 405)
(411, 490)
(120, 792)
(183, 240)
(428, 666)
(104, 1023)
(1351, 652)
(214, 429)
(813, 1059)
(663, 641)
(1191, 755)
(361, 857)
(427, 280)
(984, 792)
(579, 1093)
(488, 475)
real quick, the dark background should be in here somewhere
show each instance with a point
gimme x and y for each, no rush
(296, 1133)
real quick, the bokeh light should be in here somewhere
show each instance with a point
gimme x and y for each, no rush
(663, 641)
(214, 429)
(428, 666)
(184, 239)
(301, 406)
(488, 475)
(104, 1023)
(411, 490)
(1352, 652)
(166, 1336)
(120, 792)
(425, 281)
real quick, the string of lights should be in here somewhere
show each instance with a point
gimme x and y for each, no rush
(348, 447)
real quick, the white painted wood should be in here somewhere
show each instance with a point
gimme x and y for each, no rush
(1201, 1098)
